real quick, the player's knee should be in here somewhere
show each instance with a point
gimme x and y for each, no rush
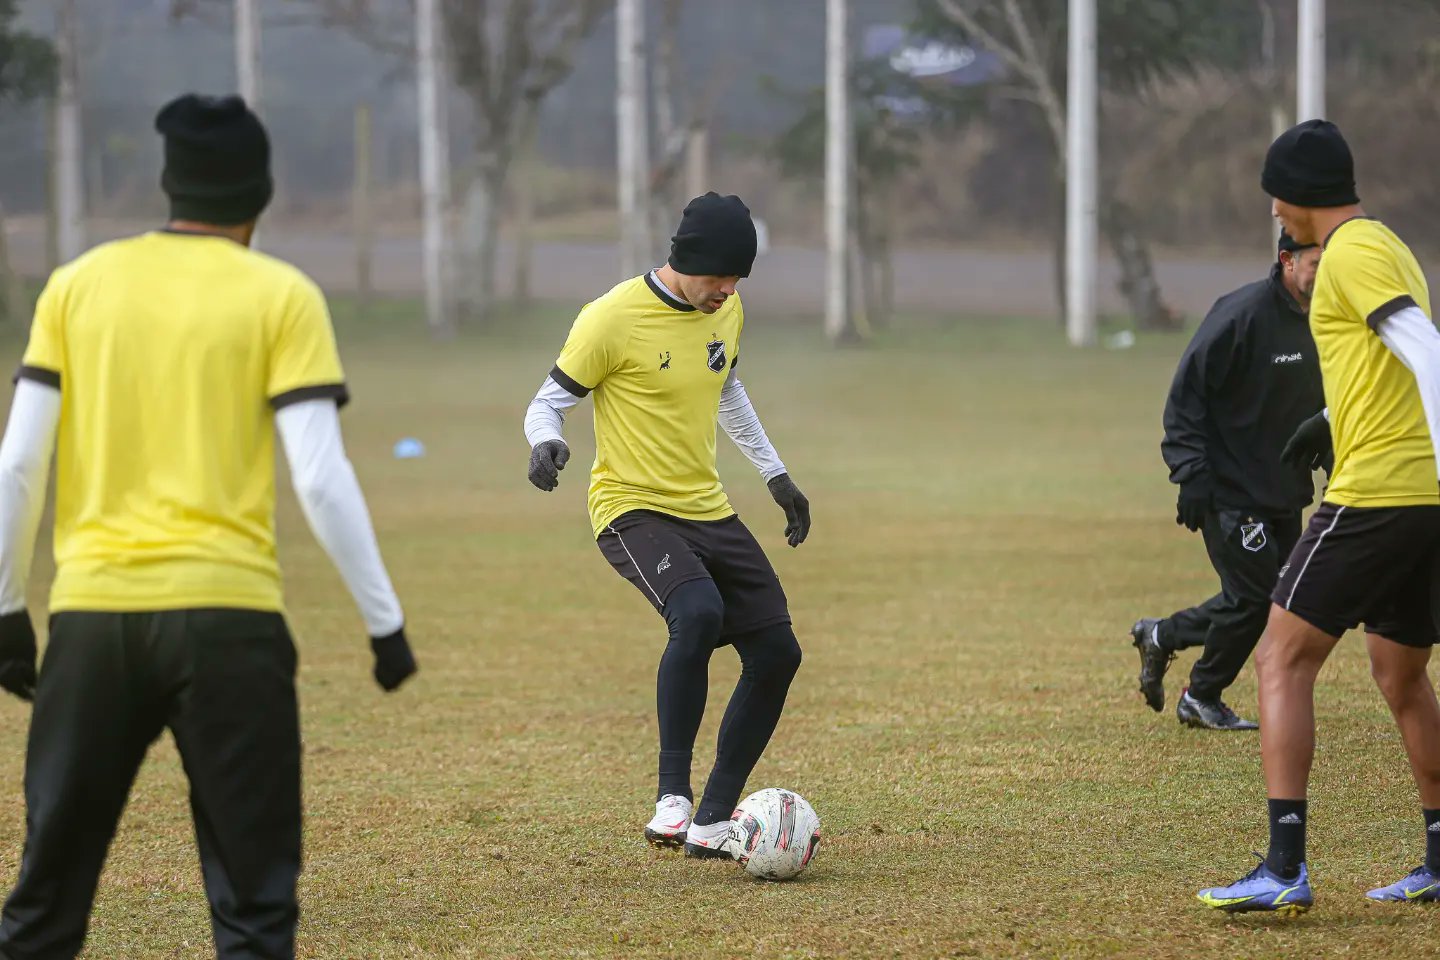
(1398, 681)
(777, 655)
(695, 613)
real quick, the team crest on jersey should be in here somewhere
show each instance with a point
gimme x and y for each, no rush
(716, 350)
(1252, 537)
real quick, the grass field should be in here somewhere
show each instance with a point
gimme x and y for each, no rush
(990, 516)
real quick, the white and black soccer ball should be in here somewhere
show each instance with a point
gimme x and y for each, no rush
(774, 834)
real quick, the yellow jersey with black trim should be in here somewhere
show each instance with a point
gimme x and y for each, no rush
(656, 366)
(1384, 454)
(171, 352)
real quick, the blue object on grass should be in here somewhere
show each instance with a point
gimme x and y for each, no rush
(409, 449)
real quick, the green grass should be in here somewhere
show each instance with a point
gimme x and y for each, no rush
(990, 516)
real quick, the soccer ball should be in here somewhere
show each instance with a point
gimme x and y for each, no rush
(774, 834)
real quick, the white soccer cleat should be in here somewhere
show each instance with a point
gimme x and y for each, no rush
(671, 821)
(709, 842)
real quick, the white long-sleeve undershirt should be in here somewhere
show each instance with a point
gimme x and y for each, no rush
(742, 425)
(24, 472)
(545, 420)
(335, 508)
(1410, 335)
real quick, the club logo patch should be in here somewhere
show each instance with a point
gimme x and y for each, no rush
(663, 565)
(1252, 537)
(716, 350)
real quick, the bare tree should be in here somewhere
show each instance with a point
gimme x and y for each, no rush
(1030, 46)
(682, 114)
(507, 55)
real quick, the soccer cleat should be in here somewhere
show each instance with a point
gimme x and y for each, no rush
(1262, 890)
(1421, 885)
(1154, 661)
(671, 821)
(710, 842)
(1209, 714)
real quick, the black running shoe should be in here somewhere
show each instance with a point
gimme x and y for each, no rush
(1209, 714)
(1154, 661)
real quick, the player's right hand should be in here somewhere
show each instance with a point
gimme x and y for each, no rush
(17, 654)
(1311, 445)
(546, 461)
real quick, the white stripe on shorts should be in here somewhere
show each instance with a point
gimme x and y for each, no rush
(652, 590)
(1318, 540)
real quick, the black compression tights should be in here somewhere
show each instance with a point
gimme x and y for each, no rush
(769, 658)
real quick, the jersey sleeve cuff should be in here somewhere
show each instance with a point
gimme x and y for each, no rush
(1388, 309)
(40, 375)
(324, 391)
(572, 386)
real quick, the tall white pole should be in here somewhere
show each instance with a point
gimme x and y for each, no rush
(434, 164)
(632, 137)
(1310, 61)
(837, 170)
(1082, 224)
(247, 51)
(69, 165)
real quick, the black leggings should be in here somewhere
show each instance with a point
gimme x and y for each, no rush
(769, 657)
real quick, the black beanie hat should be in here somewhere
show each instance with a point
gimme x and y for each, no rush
(1289, 244)
(1310, 166)
(217, 160)
(716, 238)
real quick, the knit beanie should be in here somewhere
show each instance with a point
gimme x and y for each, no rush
(217, 160)
(1310, 166)
(716, 238)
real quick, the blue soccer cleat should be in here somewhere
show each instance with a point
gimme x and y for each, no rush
(1262, 890)
(1419, 886)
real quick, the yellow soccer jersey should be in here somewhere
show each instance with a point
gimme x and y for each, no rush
(656, 366)
(1384, 456)
(170, 351)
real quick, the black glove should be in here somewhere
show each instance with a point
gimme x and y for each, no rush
(546, 461)
(17, 654)
(1193, 505)
(796, 507)
(1311, 445)
(394, 663)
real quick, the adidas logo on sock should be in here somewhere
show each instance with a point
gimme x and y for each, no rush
(1434, 827)
(1291, 820)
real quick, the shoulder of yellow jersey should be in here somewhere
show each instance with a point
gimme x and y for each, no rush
(283, 276)
(616, 307)
(1356, 236)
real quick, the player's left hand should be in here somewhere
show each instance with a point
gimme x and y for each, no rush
(796, 507)
(394, 662)
(17, 654)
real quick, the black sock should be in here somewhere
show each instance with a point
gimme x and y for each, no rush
(1287, 838)
(675, 774)
(1432, 841)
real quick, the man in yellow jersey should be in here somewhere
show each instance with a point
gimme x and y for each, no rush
(158, 371)
(659, 354)
(1371, 554)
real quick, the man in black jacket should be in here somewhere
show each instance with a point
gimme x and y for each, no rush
(1249, 378)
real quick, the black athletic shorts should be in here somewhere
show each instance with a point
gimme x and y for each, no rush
(1374, 565)
(658, 552)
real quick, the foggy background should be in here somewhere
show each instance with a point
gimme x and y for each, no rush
(963, 196)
